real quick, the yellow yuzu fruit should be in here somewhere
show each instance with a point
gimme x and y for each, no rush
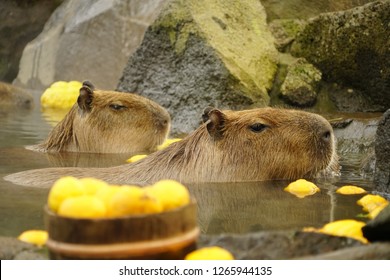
(370, 201)
(347, 228)
(130, 200)
(36, 237)
(136, 158)
(92, 185)
(302, 188)
(350, 190)
(86, 206)
(62, 189)
(171, 193)
(210, 253)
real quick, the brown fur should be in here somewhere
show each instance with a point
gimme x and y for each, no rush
(290, 145)
(14, 97)
(109, 122)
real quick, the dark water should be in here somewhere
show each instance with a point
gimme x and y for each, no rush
(223, 207)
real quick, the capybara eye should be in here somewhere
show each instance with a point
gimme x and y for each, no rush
(327, 135)
(257, 127)
(117, 107)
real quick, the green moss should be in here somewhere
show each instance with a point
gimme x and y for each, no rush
(238, 33)
(292, 27)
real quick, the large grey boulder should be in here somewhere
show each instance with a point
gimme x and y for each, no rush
(200, 53)
(382, 153)
(86, 40)
(352, 48)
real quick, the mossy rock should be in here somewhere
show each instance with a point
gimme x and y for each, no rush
(352, 48)
(300, 85)
(200, 53)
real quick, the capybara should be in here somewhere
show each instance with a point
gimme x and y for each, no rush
(109, 122)
(230, 146)
(14, 97)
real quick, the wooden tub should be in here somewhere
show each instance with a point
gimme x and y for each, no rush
(167, 235)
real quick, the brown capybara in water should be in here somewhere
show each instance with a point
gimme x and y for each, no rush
(14, 97)
(230, 146)
(109, 122)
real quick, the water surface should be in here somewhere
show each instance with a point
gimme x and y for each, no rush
(222, 207)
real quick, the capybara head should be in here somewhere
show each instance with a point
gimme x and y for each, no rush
(230, 146)
(15, 97)
(270, 143)
(109, 122)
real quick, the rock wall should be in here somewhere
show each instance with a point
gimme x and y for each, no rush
(200, 53)
(86, 40)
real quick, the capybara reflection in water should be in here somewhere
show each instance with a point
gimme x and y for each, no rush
(14, 97)
(109, 122)
(230, 146)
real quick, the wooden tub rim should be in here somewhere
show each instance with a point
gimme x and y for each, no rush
(130, 249)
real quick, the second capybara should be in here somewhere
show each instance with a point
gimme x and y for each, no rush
(230, 146)
(14, 97)
(109, 122)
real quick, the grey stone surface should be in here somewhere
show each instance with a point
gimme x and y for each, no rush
(352, 48)
(201, 53)
(86, 40)
(13, 249)
(278, 245)
(356, 136)
(382, 153)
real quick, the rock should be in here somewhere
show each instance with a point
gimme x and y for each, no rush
(13, 249)
(378, 229)
(382, 152)
(300, 85)
(377, 251)
(285, 31)
(201, 53)
(355, 135)
(352, 48)
(347, 99)
(277, 245)
(12, 97)
(21, 21)
(86, 40)
(355, 143)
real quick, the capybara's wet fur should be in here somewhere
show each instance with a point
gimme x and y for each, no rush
(230, 146)
(109, 122)
(14, 97)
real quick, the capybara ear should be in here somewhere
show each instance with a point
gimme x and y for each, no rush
(85, 99)
(87, 83)
(205, 115)
(216, 123)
